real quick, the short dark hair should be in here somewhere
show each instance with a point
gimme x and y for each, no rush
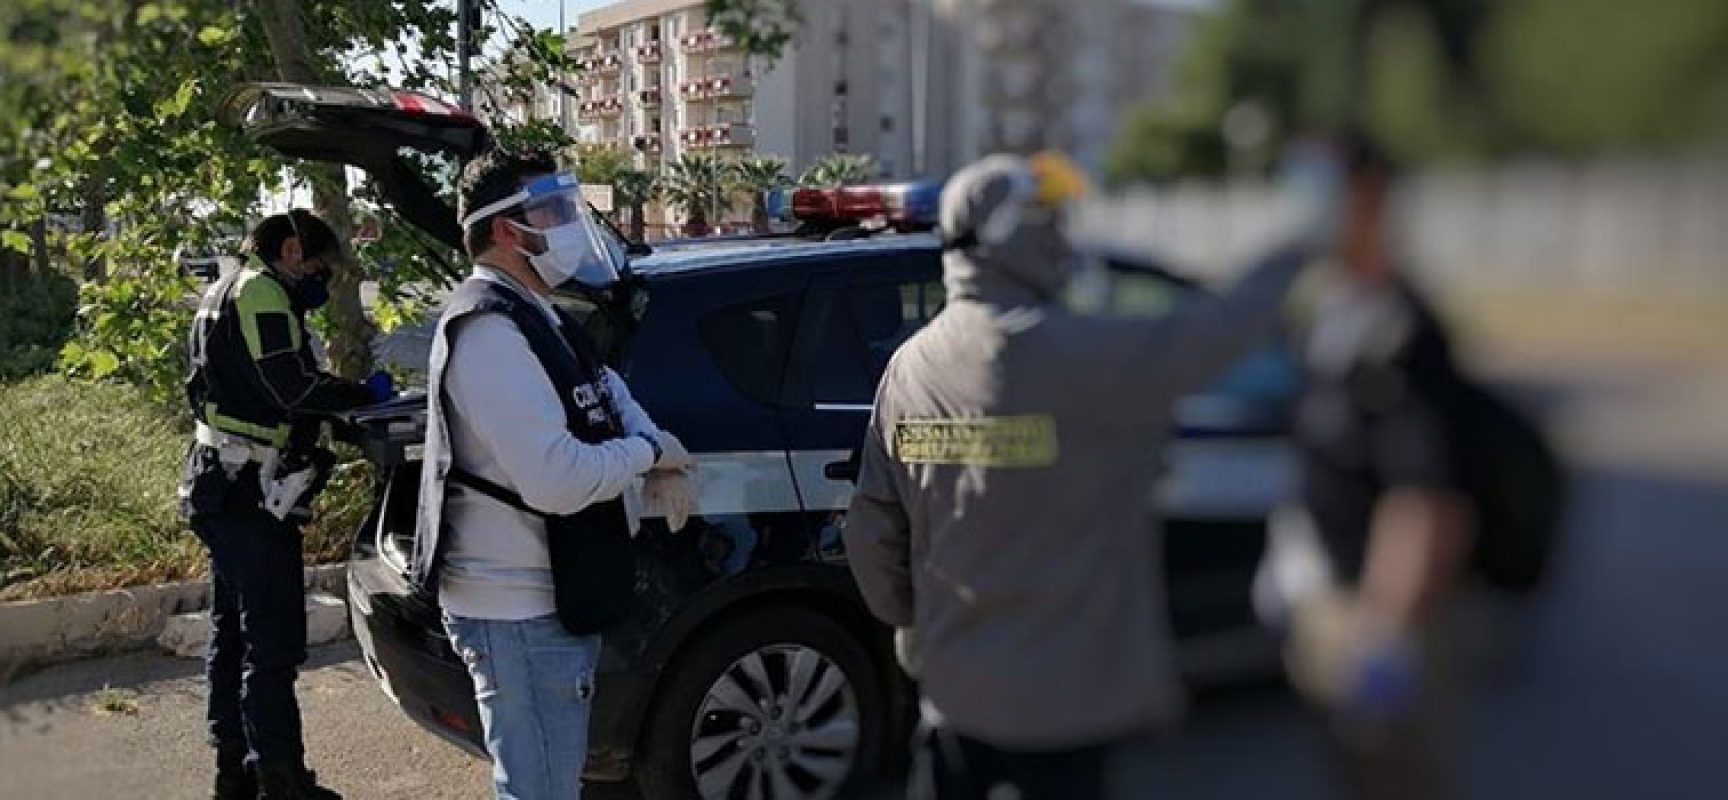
(493, 176)
(1364, 156)
(265, 240)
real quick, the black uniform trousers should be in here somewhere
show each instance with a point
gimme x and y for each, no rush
(258, 621)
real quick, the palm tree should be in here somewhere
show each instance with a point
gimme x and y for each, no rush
(838, 169)
(597, 163)
(756, 177)
(634, 189)
(695, 183)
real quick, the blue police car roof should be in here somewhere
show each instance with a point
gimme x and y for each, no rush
(676, 258)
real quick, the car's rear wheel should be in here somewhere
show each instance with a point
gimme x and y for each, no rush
(780, 703)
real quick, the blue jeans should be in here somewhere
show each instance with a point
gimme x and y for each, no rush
(534, 683)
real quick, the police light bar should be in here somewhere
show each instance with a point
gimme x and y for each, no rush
(417, 103)
(903, 206)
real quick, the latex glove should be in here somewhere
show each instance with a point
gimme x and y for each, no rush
(382, 386)
(906, 651)
(671, 492)
(673, 456)
(1385, 679)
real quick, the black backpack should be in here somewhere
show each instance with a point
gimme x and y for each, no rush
(1505, 462)
(1518, 484)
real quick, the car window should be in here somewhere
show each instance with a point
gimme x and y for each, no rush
(864, 325)
(749, 341)
(1144, 294)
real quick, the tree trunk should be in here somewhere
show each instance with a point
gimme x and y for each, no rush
(94, 217)
(351, 342)
(638, 225)
(759, 214)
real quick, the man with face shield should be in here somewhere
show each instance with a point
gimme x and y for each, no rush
(531, 441)
(1002, 512)
(260, 401)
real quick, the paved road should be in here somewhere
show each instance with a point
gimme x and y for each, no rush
(55, 743)
(1622, 690)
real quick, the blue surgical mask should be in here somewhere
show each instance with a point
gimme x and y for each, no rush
(311, 292)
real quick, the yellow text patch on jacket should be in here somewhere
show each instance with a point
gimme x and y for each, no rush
(1017, 441)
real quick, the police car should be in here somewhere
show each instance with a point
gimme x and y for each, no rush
(750, 666)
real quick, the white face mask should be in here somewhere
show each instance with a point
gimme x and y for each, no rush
(573, 252)
(573, 245)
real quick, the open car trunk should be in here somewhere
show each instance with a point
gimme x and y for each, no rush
(364, 128)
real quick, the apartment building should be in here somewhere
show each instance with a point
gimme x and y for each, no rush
(925, 86)
(656, 79)
(1020, 75)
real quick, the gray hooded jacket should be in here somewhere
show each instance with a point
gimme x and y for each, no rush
(1002, 507)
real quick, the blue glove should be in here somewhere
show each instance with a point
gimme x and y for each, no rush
(383, 386)
(1386, 681)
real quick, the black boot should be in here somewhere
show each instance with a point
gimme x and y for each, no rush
(295, 783)
(234, 779)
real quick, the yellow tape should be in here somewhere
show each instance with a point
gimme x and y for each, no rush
(1018, 441)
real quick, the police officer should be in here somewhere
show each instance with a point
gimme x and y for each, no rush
(1001, 509)
(259, 398)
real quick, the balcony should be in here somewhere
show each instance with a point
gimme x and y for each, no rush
(649, 53)
(648, 143)
(707, 41)
(602, 62)
(649, 98)
(718, 87)
(722, 136)
(600, 109)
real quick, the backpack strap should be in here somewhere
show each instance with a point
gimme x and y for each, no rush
(463, 477)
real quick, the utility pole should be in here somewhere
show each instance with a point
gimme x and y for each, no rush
(467, 13)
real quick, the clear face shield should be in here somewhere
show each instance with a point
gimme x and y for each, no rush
(562, 240)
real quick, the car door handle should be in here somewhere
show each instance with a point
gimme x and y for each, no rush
(842, 470)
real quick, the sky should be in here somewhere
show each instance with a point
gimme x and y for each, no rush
(544, 13)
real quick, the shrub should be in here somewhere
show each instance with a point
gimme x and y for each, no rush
(88, 473)
(37, 311)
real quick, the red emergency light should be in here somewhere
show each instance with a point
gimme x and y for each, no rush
(902, 206)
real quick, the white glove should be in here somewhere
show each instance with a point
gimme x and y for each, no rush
(673, 456)
(670, 491)
(906, 651)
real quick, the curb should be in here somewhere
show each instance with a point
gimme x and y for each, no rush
(37, 633)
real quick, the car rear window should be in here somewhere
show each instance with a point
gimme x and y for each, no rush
(863, 328)
(749, 342)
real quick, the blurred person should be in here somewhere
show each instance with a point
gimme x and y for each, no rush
(1001, 519)
(1365, 573)
(531, 441)
(260, 400)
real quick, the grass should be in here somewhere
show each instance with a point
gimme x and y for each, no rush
(111, 702)
(88, 474)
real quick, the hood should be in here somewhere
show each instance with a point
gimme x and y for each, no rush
(1030, 265)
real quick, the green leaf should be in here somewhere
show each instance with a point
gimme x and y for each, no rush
(213, 35)
(148, 13)
(15, 240)
(23, 191)
(103, 363)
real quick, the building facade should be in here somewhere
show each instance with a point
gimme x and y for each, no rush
(657, 80)
(924, 86)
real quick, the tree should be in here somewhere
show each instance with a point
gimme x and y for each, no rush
(1435, 80)
(110, 119)
(635, 189)
(839, 169)
(763, 27)
(695, 184)
(600, 164)
(755, 178)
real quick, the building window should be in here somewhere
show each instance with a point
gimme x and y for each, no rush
(887, 124)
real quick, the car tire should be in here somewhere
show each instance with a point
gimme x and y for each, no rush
(796, 741)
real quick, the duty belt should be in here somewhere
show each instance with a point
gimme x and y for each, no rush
(231, 445)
